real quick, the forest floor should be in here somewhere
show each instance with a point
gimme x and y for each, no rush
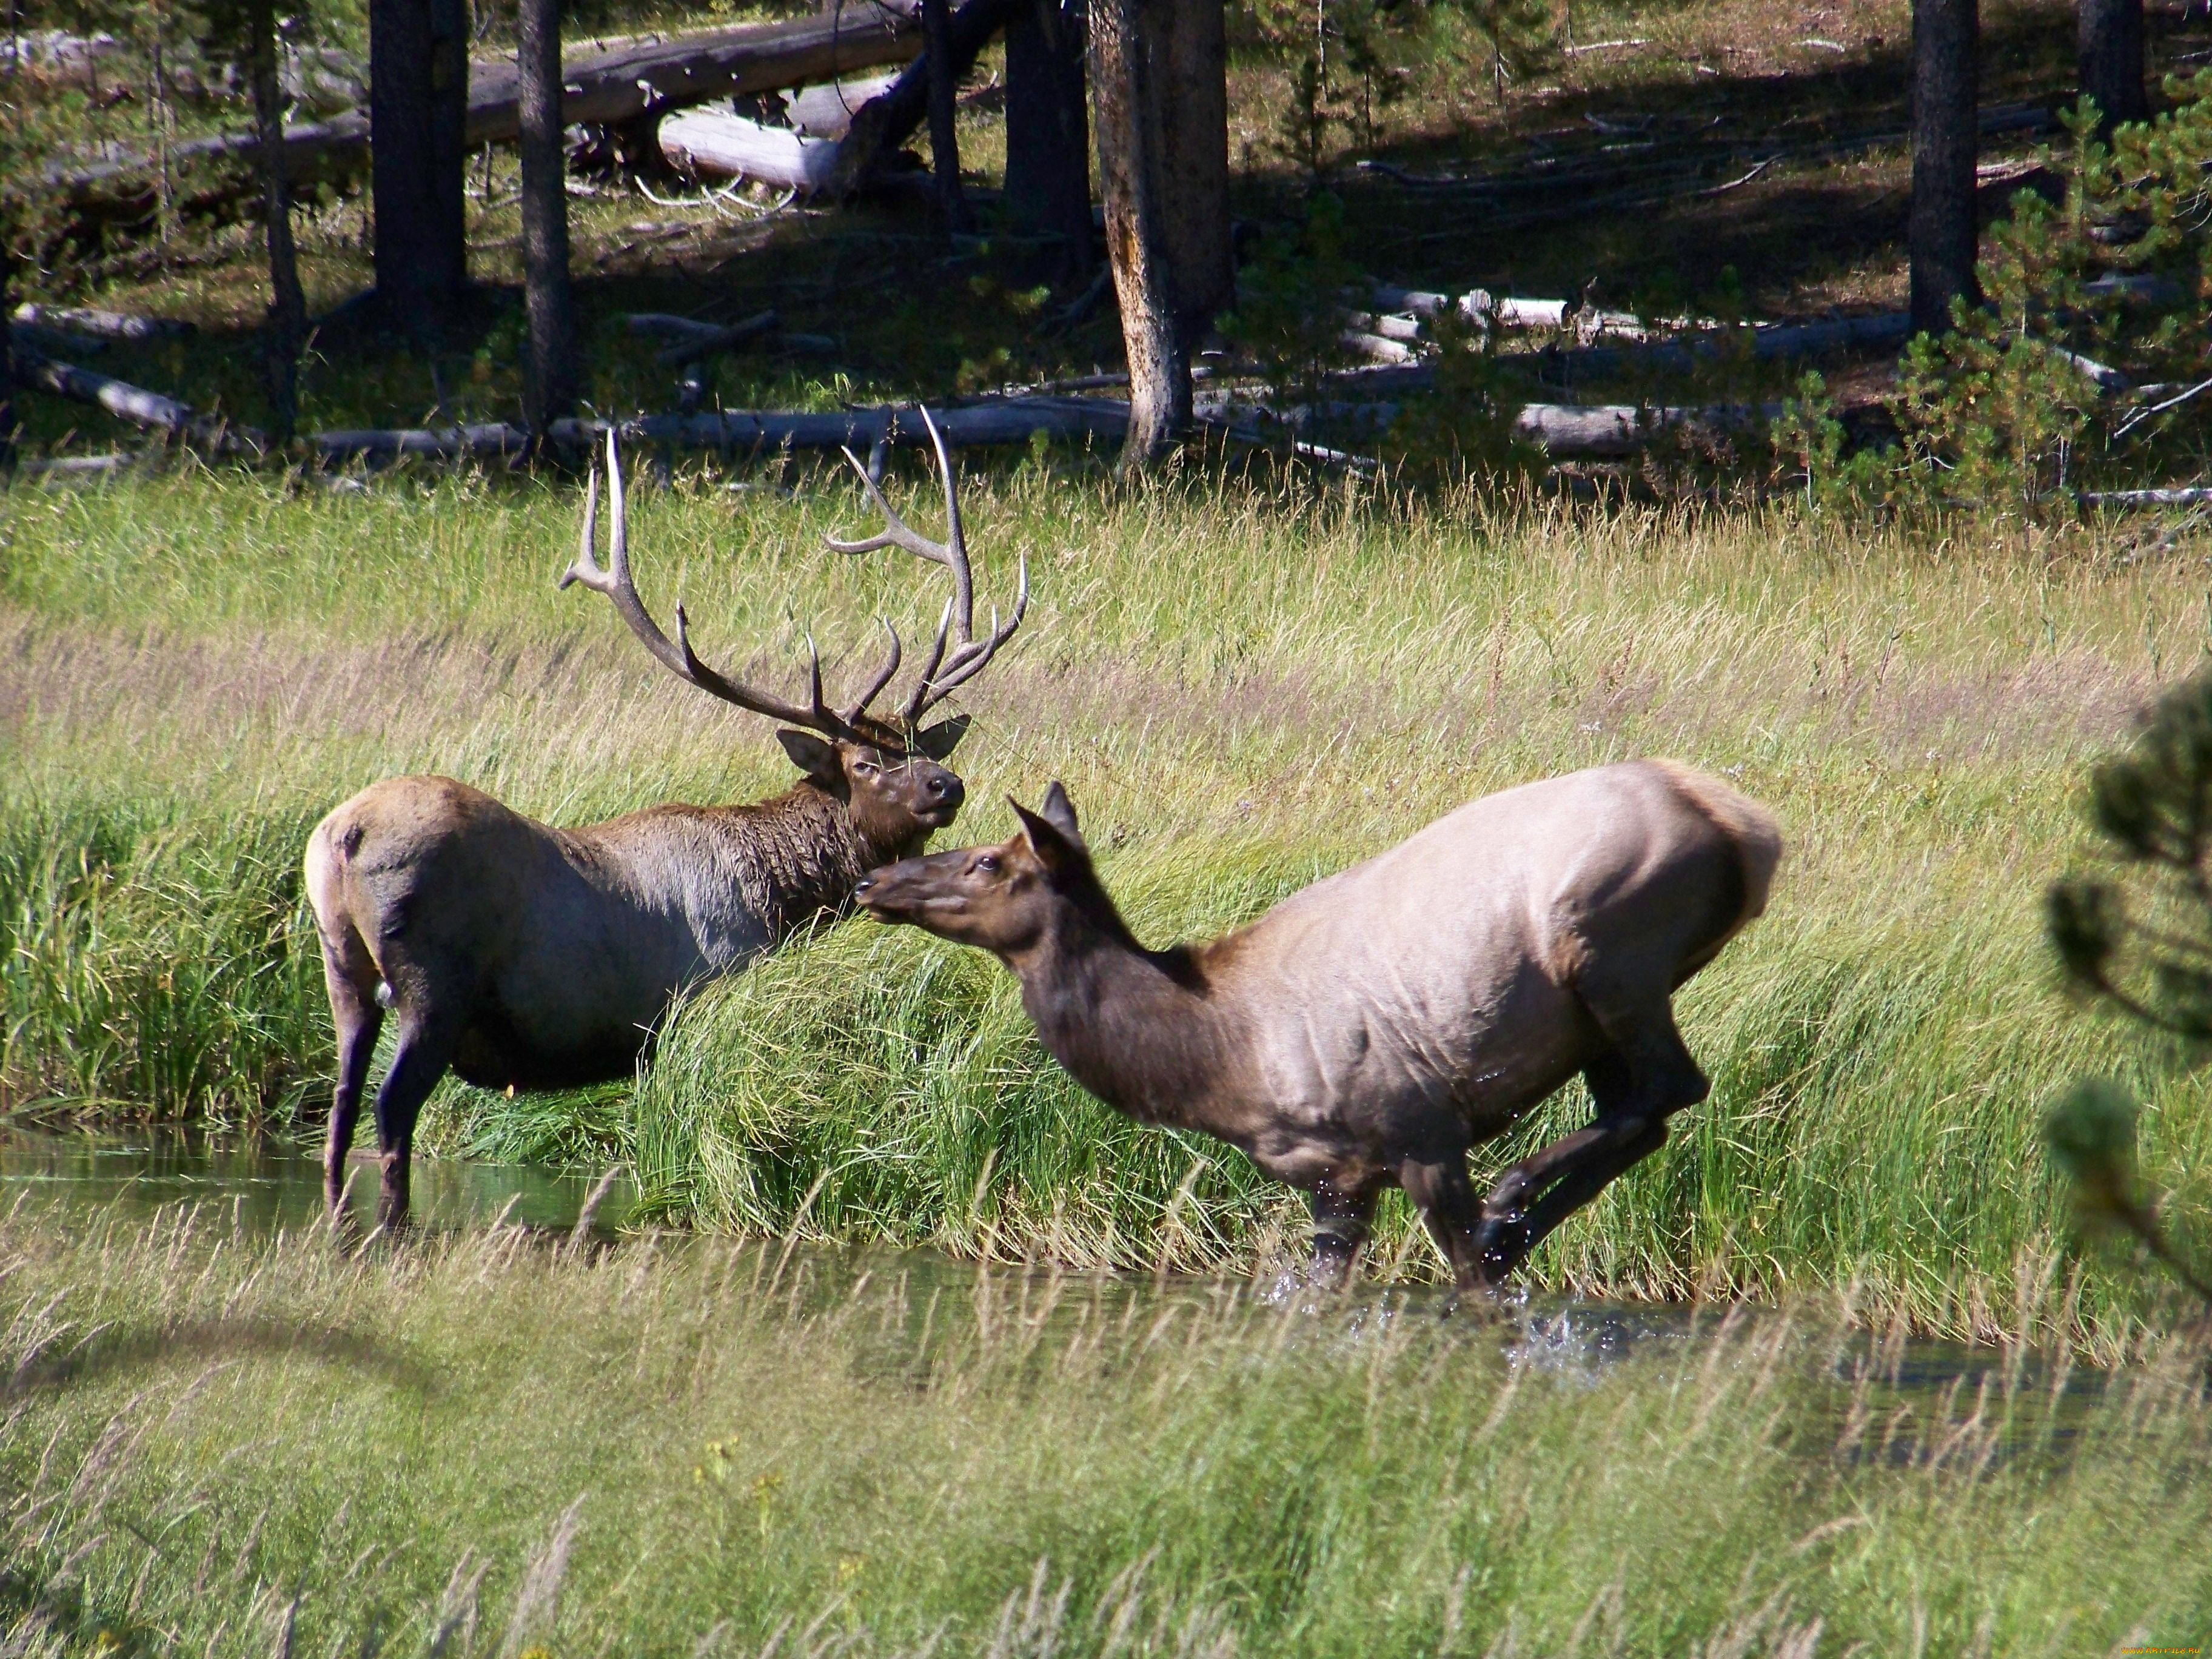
(1731, 158)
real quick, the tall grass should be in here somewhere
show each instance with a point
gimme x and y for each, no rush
(740, 1450)
(1245, 686)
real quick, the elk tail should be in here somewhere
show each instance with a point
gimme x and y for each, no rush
(1749, 827)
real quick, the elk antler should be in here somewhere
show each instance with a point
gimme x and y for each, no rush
(677, 656)
(969, 656)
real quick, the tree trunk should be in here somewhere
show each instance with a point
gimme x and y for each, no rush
(1188, 65)
(1942, 232)
(287, 307)
(1048, 138)
(1136, 239)
(549, 372)
(7, 358)
(417, 117)
(2110, 53)
(944, 132)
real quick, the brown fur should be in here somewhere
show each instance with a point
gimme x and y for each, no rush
(527, 957)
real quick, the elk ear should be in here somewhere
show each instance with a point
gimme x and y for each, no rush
(1052, 832)
(812, 756)
(942, 738)
(1060, 813)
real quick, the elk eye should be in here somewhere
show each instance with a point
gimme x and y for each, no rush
(986, 866)
(866, 768)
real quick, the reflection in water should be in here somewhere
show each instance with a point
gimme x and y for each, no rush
(268, 1183)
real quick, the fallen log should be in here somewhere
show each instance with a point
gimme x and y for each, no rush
(1476, 306)
(696, 340)
(889, 119)
(133, 404)
(2186, 496)
(716, 144)
(1566, 431)
(1600, 431)
(1000, 421)
(826, 109)
(605, 90)
(1769, 343)
(1377, 347)
(103, 324)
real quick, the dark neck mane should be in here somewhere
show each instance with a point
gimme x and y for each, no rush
(800, 854)
(1135, 1027)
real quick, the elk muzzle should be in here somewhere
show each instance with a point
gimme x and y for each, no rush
(928, 891)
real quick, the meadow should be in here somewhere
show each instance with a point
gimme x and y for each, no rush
(1245, 682)
(218, 1442)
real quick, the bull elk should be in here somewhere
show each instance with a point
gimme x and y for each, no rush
(527, 957)
(1370, 1029)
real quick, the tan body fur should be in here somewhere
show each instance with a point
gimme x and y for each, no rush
(559, 950)
(1372, 1028)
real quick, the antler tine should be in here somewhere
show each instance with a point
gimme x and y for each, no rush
(882, 676)
(916, 703)
(973, 659)
(896, 532)
(677, 655)
(956, 629)
(584, 568)
(956, 540)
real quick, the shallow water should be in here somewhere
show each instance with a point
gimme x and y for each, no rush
(265, 1184)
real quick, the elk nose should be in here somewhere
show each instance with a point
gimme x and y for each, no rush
(947, 788)
(860, 887)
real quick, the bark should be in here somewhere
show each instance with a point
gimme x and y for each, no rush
(549, 372)
(1136, 231)
(883, 123)
(2110, 44)
(1942, 232)
(944, 111)
(1188, 87)
(1048, 191)
(7, 363)
(287, 307)
(418, 113)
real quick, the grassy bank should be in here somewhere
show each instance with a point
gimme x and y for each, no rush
(754, 1451)
(1243, 688)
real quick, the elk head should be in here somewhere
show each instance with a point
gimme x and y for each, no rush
(1005, 899)
(887, 770)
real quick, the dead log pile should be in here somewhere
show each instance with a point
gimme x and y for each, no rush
(606, 88)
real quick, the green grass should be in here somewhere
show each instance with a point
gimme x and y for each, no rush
(761, 1451)
(1245, 686)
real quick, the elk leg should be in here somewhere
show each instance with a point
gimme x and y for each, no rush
(1440, 1189)
(1340, 1221)
(1645, 1078)
(425, 1047)
(1507, 1244)
(351, 978)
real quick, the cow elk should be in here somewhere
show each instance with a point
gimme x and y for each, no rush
(527, 957)
(1372, 1029)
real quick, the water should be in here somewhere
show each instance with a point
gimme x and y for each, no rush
(268, 1183)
